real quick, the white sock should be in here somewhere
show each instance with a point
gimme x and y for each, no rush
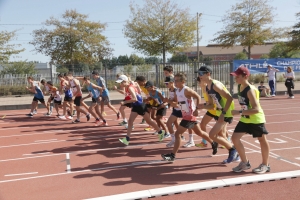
(173, 137)
(191, 140)
(124, 120)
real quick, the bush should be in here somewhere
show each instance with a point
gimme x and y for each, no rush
(13, 90)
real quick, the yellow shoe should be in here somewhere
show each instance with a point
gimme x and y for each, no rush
(201, 145)
(148, 129)
(103, 114)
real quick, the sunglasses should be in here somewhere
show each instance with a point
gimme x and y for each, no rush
(201, 73)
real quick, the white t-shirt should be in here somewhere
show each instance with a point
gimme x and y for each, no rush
(291, 74)
(271, 74)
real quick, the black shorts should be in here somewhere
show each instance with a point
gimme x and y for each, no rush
(95, 100)
(77, 100)
(188, 124)
(256, 130)
(177, 113)
(148, 106)
(39, 100)
(140, 109)
(57, 102)
(129, 105)
(51, 98)
(211, 115)
(68, 99)
(226, 119)
(161, 112)
(105, 99)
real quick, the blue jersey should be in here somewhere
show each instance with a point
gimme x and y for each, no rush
(101, 82)
(39, 93)
(156, 98)
(68, 92)
(93, 92)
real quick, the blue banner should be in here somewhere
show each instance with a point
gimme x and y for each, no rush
(260, 65)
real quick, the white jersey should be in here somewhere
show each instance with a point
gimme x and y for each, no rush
(187, 106)
(74, 88)
(172, 96)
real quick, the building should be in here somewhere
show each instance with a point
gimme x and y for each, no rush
(42, 68)
(216, 52)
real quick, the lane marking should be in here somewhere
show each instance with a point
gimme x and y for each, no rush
(298, 158)
(68, 162)
(291, 138)
(45, 140)
(21, 174)
(33, 154)
(278, 141)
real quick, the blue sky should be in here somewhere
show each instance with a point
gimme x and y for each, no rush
(25, 15)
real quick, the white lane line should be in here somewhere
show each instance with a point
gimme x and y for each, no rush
(21, 174)
(45, 140)
(290, 138)
(14, 128)
(33, 154)
(298, 158)
(68, 162)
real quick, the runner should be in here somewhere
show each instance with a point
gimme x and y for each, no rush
(38, 95)
(94, 92)
(104, 94)
(46, 90)
(220, 97)
(68, 99)
(138, 108)
(56, 97)
(185, 100)
(252, 121)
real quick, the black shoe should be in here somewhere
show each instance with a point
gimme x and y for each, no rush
(88, 117)
(69, 113)
(168, 157)
(75, 121)
(29, 115)
(214, 146)
(118, 115)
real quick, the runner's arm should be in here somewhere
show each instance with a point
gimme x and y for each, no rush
(224, 94)
(133, 96)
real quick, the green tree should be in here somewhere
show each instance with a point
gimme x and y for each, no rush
(179, 58)
(264, 56)
(20, 67)
(152, 60)
(240, 56)
(294, 43)
(136, 60)
(124, 60)
(144, 68)
(72, 40)
(62, 69)
(247, 24)
(7, 49)
(280, 49)
(160, 27)
(128, 69)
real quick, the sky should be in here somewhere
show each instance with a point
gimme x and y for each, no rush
(28, 15)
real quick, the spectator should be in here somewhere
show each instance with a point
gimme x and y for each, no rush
(289, 81)
(263, 90)
(272, 80)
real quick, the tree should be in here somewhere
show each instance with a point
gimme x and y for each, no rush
(20, 67)
(160, 27)
(128, 69)
(264, 56)
(294, 43)
(152, 60)
(144, 68)
(6, 49)
(179, 58)
(136, 60)
(246, 24)
(240, 56)
(73, 40)
(282, 50)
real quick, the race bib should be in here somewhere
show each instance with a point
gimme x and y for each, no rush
(244, 107)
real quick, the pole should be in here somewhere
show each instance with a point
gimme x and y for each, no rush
(105, 74)
(197, 37)
(51, 73)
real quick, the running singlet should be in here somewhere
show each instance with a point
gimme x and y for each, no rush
(74, 88)
(257, 118)
(187, 106)
(146, 92)
(101, 82)
(39, 93)
(157, 100)
(55, 94)
(93, 92)
(138, 96)
(218, 100)
(212, 111)
(68, 92)
(172, 96)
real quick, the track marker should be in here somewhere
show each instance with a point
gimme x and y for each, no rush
(45, 140)
(21, 174)
(279, 141)
(33, 154)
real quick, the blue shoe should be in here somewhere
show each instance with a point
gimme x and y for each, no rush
(232, 155)
(237, 159)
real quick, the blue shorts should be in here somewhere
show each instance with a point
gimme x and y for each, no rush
(177, 113)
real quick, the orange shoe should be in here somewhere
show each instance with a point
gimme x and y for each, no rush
(103, 124)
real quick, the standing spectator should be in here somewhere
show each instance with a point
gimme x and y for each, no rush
(272, 80)
(289, 81)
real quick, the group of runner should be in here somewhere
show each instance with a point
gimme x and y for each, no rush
(185, 103)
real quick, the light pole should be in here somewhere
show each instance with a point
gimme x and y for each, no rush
(198, 15)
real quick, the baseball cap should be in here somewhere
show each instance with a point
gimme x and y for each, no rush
(269, 65)
(122, 78)
(205, 69)
(241, 71)
(95, 72)
(169, 79)
(49, 83)
(149, 84)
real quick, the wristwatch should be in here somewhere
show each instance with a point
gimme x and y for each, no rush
(223, 112)
(241, 111)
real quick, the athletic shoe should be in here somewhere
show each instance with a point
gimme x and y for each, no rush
(69, 112)
(143, 121)
(161, 135)
(237, 159)
(182, 138)
(232, 155)
(126, 126)
(118, 115)
(76, 121)
(273, 95)
(168, 157)
(88, 117)
(148, 129)
(242, 167)
(201, 145)
(47, 114)
(34, 112)
(155, 133)
(124, 141)
(29, 115)
(170, 144)
(167, 135)
(97, 122)
(74, 112)
(70, 117)
(189, 144)
(214, 147)
(262, 169)
(103, 114)
(62, 117)
(122, 123)
(104, 124)
(50, 112)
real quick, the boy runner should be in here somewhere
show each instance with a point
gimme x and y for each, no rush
(252, 121)
(56, 97)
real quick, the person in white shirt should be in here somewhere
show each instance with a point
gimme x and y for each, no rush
(289, 81)
(272, 80)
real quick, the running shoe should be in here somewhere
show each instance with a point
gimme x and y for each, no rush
(47, 114)
(104, 124)
(237, 159)
(261, 169)
(126, 127)
(29, 115)
(214, 147)
(103, 114)
(201, 145)
(143, 121)
(34, 112)
(122, 123)
(148, 129)
(242, 167)
(167, 135)
(118, 115)
(170, 144)
(97, 122)
(168, 157)
(88, 117)
(161, 135)
(76, 121)
(70, 117)
(62, 117)
(189, 144)
(232, 155)
(124, 141)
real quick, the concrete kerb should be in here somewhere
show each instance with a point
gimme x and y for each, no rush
(193, 187)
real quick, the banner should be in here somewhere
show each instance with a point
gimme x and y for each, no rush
(260, 65)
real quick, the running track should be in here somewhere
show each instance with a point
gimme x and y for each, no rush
(47, 158)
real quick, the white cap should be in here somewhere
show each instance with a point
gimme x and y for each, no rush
(121, 79)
